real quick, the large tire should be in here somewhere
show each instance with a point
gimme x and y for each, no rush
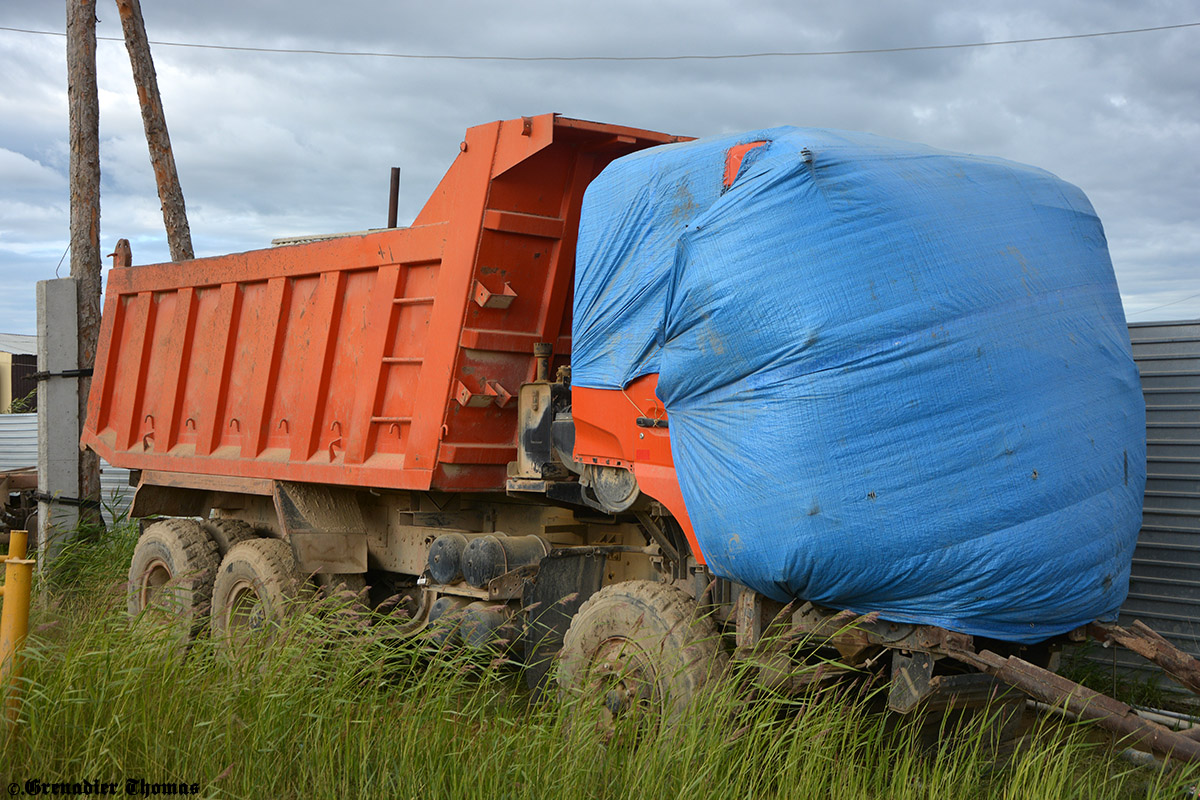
(258, 586)
(171, 574)
(640, 645)
(228, 532)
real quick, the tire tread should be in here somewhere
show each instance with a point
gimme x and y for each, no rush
(672, 612)
(186, 542)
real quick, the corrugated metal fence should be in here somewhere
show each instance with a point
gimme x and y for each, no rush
(18, 448)
(18, 441)
(1164, 591)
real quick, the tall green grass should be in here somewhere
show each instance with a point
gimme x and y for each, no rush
(330, 707)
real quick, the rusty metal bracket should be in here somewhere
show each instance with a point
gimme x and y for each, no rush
(912, 680)
(66, 373)
(511, 585)
(748, 615)
(655, 531)
(45, 497)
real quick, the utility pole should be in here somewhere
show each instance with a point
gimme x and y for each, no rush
(179, 237)
(84, 112)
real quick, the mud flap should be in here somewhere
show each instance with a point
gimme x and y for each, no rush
(565, 580)
(324, 525)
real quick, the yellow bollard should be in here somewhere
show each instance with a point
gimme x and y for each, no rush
(14, 615)
(18, 544)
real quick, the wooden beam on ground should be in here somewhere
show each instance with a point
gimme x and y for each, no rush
(1060, 692)
(179, 236)
(1148, 644)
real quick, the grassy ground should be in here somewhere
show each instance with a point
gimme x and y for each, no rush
(338, 710)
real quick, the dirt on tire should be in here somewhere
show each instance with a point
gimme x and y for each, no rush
(228, 532)
(171, 575)
(652, 630)
(258, 585)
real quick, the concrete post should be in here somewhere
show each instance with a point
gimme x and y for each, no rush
(58, 415)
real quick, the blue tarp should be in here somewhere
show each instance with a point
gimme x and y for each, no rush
(898, 379)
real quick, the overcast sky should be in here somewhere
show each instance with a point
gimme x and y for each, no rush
(271, 145)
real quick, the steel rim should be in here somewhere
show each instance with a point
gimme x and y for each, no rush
(155, 576)
(245, 610)
(623, 674)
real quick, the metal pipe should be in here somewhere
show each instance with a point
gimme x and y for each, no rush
(18, 544)
(658, 535)
(14, 618)
(543, 351)
(1176, 722)
(1171, 719)
(394, 198)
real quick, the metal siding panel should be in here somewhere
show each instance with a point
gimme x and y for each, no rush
(18, 448)
(1165, 582)
(115, 492)
(18, 344)
(18, 441)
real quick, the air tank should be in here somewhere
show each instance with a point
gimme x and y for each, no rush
(488, 557)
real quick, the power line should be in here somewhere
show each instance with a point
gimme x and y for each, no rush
(1164, 305)
(718, 57)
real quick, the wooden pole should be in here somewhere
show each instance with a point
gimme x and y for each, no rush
(179, 237)
(84, 115)
(394, 197)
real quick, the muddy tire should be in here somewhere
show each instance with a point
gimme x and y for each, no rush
(257, 587)
(228, 532)
(171, 575)
(640, 645)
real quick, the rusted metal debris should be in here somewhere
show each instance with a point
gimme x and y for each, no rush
(122, 255)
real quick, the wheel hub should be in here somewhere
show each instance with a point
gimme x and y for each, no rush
(246, 610)
(156, 575)
(625, 674)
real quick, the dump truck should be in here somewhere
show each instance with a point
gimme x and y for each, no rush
(468, 414)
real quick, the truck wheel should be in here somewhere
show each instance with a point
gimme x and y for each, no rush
(171, 574)
(639, 645)
(228, 532)
(257, 586)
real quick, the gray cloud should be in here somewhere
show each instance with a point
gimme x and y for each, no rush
(271, 144)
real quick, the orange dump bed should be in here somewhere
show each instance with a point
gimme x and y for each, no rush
(389, 359)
